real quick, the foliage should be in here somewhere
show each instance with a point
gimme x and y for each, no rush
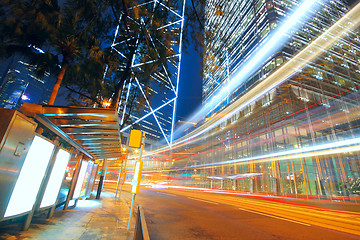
(74, 36)
(141, 41)
(72, 40)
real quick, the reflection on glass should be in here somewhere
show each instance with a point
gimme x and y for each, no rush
(292, 129)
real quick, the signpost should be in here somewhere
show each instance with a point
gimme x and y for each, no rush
(135, 185)
(137, 140)
(122, 173)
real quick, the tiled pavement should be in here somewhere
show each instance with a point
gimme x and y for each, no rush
(91, 219)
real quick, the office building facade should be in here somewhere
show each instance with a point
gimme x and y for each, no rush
(300, 138)
(20, 84)
(158, 50)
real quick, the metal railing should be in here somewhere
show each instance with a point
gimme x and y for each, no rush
(141, 231)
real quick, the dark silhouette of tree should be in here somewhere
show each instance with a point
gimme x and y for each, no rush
(73, 40)
(55, 38)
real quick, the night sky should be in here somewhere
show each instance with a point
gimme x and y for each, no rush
(190, 85)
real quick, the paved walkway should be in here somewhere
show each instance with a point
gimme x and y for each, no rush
(91, 219)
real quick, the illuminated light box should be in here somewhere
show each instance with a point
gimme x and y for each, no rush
(31, 175)
(137, 177)
(80, 180)
(56, 178)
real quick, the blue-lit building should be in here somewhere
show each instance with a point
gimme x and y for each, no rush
(19, 84)
(157, 91)
(237, 30)
(300, 137)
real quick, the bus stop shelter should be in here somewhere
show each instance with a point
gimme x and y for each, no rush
(67, 134)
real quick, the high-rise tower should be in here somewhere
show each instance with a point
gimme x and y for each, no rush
(237, 31)
(149, 34)
(281, 95)
(19, 83)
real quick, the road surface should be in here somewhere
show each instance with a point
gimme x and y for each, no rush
(187, 214)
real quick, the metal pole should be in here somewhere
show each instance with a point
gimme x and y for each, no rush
(73, 180)
(124, 178)
(103, 170)
(132, 204)
(133, 197)
(118, 181)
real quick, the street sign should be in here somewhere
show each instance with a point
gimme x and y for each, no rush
(135, 138)
(137, 177)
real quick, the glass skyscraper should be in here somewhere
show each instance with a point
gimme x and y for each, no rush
(158, 30)
(237, 29)
(19, 84)
(301, 138)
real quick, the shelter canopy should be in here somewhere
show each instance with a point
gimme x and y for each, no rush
(95, 130)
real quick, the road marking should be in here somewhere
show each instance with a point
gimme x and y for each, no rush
(285, 219)
(169, 194)
(203, 200)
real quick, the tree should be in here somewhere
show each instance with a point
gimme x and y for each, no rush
(74, 40)
(142, 42)
(147, 44)
(56, 38)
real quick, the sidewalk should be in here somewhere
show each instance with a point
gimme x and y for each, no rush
(90, 219)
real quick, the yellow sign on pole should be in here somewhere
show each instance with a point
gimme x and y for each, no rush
(137, 177)
(135, 138)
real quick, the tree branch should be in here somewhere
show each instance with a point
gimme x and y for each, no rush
(129, 114)
(197, 16)
(83, 95)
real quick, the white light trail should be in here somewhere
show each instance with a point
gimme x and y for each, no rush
(347, 23)
(265, 50)
(349, 145)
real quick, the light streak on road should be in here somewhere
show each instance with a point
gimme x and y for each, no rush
(346, 146)
(272, 216)
(201, 200)
(338, 118)
(264, 51)
(323, 43)
(300, 213)
(263, 196)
